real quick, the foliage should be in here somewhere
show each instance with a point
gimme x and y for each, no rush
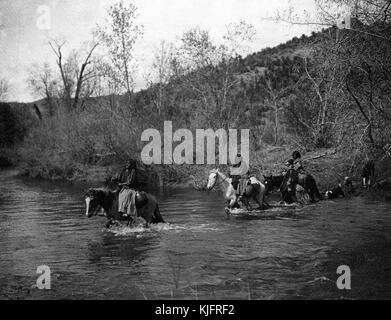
(318, 91)
(8, 126)
(119, 35)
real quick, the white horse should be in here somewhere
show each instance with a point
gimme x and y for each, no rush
(256, 189)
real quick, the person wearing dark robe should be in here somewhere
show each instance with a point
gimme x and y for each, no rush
(127, 197)
(294, 166)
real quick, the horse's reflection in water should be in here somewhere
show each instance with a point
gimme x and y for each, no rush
(125, 249)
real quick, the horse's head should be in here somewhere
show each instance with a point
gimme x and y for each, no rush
(92, 198)
(212, 180)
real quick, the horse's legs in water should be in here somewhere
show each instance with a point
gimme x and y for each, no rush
(110, 223)
(232, 204)
(314, 192)
(246, 202)
(312, 195)
(264, 201)
(130, 221)
(255, 198)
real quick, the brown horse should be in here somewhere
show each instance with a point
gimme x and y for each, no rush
(146, 204)
(306, 181)
(272, 182)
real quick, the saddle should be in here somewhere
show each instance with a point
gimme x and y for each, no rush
(242, 185)
(239, 184)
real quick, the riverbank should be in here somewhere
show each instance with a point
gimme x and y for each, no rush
(328, 166)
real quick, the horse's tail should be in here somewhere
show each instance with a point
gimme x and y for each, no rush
(316, 190)
(157, 217)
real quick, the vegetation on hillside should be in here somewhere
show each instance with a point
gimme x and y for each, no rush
(328, 90)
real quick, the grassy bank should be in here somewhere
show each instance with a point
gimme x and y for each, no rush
(329, 166)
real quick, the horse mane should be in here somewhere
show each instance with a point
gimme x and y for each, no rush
(223, 176)
(106, 198)
(102, 190)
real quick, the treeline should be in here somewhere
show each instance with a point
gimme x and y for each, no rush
(15, 122)
(329, 89)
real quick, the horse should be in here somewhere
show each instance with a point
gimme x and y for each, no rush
(272, 182)
(335, 192)
(307, 181)
(146, 205)
(255, 190)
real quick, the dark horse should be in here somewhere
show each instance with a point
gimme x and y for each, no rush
(335, 192)
(272, 182)
(146, 205)
(292, 178)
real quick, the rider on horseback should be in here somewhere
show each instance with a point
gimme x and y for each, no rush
(295, 162)
(239, 175)
(294, 167)
(126, 180)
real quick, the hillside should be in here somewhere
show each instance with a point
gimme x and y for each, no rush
(277, 62)
(288, 96)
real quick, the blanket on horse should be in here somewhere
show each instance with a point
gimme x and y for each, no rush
(242, 186)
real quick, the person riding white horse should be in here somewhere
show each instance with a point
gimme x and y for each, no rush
(239, 175)
(255, 190)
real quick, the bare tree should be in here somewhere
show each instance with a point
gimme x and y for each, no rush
(275, 97)
(42, 82)
(346, 75)
(207, 68)
(161, 73)
(119, 35)
(83, 76)
(73, 77)
(57, 48)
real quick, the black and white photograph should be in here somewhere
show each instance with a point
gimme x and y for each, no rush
(195, 150)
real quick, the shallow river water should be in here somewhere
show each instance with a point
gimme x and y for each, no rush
(198, 254)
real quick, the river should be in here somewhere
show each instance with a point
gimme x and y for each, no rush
(199, 254)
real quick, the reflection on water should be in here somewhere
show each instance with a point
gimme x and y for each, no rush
(199, 254)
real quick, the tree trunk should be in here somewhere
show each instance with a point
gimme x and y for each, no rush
(276, 125)
(368, 120)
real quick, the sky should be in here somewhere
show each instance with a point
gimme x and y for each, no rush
(26, 26)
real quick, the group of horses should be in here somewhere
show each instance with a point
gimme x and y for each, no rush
(290, 185)
(105, 202)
